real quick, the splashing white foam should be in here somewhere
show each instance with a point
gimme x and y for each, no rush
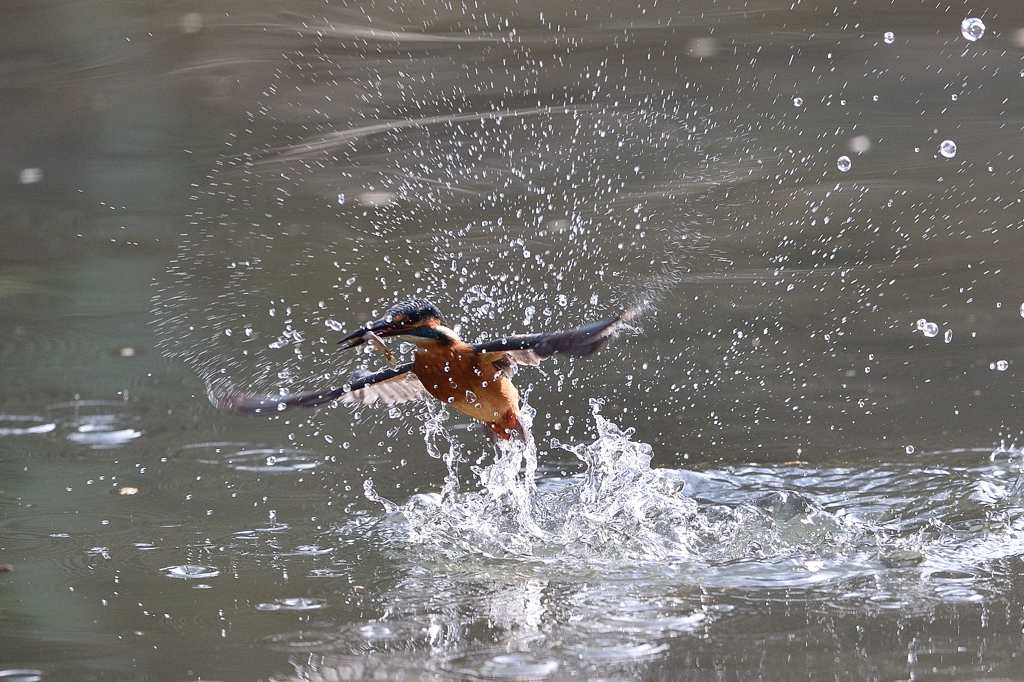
(618, 510)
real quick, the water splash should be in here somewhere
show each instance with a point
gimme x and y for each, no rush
(619, 510)
(746, 526)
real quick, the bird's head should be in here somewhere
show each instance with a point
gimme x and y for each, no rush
(417, 318)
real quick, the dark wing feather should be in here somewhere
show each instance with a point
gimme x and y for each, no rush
(531, 349)
(387, 385)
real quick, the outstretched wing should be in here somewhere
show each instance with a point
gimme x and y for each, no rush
(387, 385)
(531, 349)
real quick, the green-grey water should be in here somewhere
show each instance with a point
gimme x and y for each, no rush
(802, 463)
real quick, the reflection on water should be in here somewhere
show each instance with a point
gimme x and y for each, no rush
(807, 465)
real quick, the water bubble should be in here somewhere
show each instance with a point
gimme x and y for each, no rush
(910, 449)
(948, 149)
(798, 101)
(972, 28)
(948, 336)
(341, 198)
(889, 37)
(1022, 309)
(999, 365)
(844, 163)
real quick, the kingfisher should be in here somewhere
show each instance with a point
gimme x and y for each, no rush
(474, 379)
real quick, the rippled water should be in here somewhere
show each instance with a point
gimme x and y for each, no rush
(804, 463)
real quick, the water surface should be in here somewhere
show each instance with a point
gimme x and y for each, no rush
(803, 463)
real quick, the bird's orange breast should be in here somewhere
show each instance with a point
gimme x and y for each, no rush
(467, 382)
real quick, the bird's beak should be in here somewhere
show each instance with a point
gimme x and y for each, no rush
(384, 327)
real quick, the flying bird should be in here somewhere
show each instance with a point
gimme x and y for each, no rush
(474, 379)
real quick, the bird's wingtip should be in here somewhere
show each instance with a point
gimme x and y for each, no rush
(627, 321)
(236, 403)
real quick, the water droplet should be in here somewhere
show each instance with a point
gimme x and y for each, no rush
(929, 329)
(1000, 365)
(972, 28)
(948, 336)
(844, 163)
(190, 571)
(21, 675)
(910, 449)
(30, 176)
(470, 397)
(376, 631)
(700, 48)
(954, 97)
(1022, 309)
(292, 604)
(341, 198)
(376, 199)
(798, 101)
(859, 144)
(270, 460)
(948, 149)
(889, 37)
(191, 23)
(517, 666)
